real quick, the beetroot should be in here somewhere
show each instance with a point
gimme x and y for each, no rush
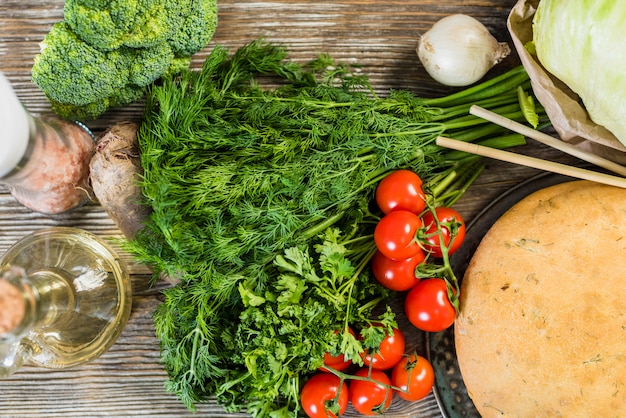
(115, 174)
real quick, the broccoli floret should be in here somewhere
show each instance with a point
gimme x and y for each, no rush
(126, 95)
(84, 112)
(111, 24)
(196, 30)
(148, 64)
(177, 65)
(106, 52)
(68, 68)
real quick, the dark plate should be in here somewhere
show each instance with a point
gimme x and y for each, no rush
(449, 390)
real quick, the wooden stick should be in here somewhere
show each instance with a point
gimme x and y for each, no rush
(547, 140)
(531, 162)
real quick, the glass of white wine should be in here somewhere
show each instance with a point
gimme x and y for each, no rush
(65, 297)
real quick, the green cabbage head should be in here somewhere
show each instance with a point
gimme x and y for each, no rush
(583, 43)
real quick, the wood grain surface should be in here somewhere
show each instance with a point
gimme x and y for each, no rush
(380, 36)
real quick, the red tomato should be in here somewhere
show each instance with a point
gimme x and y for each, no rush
(389, 353)
(337, 362)
(414, 376)
(401, 190)
(428, 307)
(452, 230)
(319, 396)
(395, 235)
(398, 275)
(371, 397)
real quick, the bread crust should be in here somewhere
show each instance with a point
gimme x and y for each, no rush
(542, 324)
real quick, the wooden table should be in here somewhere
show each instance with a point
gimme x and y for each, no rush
(380, 35)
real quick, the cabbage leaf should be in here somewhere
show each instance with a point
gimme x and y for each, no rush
(581, 42)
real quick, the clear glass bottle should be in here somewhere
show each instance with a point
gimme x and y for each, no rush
(64, 300)
(44, 161)
(53, 175)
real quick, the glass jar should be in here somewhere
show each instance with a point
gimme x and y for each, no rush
(44, 161)
(53, 175)
(64, 300)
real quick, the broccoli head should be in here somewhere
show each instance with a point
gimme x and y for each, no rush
(106, 52)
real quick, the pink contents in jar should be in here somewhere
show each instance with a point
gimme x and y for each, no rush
(53, 176)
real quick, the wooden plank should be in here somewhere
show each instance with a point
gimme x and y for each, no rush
(380, 36)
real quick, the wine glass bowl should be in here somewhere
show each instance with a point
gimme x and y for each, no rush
(80, 292)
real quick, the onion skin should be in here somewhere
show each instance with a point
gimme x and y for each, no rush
(459, 50)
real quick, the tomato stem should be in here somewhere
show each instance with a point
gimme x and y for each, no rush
(445, 271)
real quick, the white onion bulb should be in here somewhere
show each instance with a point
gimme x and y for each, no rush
(459, 50)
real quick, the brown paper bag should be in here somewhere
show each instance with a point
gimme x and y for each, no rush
(569, 118)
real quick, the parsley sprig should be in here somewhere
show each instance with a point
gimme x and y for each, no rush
(286, 328)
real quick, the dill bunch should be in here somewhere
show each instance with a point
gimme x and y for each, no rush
(254, 156)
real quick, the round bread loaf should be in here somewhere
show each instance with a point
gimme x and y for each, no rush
(542, 324)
